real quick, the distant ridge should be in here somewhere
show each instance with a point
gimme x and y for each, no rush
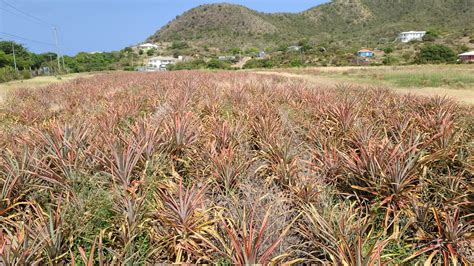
(356, 21)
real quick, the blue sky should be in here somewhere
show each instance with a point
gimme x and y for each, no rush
(107, 25)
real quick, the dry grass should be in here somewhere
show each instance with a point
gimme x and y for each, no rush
(229, 167)
(38, 82)
(455, 81)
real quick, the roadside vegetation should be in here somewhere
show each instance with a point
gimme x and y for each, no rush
(29, 64)
(233, 168)
(307, 54)
(426, 76)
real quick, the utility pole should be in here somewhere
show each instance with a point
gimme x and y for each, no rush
(14, 57)
(64, 65)
(55, 30)
(50, 63)
(62, 57)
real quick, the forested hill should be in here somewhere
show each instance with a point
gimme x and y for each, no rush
(351, 21)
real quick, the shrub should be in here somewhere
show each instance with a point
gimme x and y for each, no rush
(430, 36)
(188, 65)
(390, 60)
(8, 73)
(25, 74)
(388, 50)
(151, 52)
(436, 53)
(217, 64)
(258, 63)
(296, 62)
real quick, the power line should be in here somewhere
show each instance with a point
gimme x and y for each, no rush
(8, 11)
(27, 15)
(41, 21)
(26, 39)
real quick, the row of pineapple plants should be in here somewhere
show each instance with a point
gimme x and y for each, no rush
(233, 168)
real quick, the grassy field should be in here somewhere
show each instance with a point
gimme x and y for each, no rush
(38, 82)
(449, 76)
(456, 81)
(233, 168)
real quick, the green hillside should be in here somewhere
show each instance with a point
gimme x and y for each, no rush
(353, 22)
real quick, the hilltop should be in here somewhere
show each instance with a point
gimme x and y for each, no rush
(352, 22)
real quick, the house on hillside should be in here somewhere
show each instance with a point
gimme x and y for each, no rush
(408, 36)
(365, 53)
(161, 62)
(294, 48)
(226, 58)
(148, 46)
(261, 54)
(467, 57)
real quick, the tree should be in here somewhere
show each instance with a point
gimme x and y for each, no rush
(127, 50)
(388, 50)
(151, 52)
(436, 53)
(5, 59)
(6, 46)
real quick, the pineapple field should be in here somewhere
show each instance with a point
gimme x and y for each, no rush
(233, 168)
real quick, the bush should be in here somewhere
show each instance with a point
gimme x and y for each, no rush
(151, 52)
(296, 62)
(436, 54)
(388, 50)
(8, 73)
(25, 74)
(430, 36)
(258, 63)
(390, 60)
(217, 64)
(188, 65)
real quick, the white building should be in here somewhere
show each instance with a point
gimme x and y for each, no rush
(294, 48)
(227, 57)
(411, 36)
(160, 62)
(148, 46)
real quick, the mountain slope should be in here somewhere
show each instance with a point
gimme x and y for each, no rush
(355, 21)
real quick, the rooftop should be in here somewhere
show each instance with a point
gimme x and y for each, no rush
(365, 51)
(163, 58)
(413, 32)
(471, 53)
(148, 44)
